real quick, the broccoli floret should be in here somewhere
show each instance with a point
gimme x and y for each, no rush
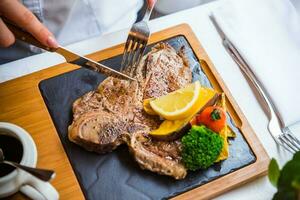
(200, 148)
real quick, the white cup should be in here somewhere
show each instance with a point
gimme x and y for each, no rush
(19, 180)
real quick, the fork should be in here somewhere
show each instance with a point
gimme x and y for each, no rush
(289, 140)
(137, 41)
(282, 135)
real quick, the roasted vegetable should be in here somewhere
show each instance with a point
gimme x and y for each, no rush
(213, 117)
(173, 129)
(225, 149)
(147, 107)
(201, 147)
(230, 132)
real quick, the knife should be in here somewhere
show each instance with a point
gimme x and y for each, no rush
(70, 56)
(282, 135)
(268, 105)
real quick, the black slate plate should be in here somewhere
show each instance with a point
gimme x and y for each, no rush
(116, 175)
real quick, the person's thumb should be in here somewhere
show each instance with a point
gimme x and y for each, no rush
(151, 2)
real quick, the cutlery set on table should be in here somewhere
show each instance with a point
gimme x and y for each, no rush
(95, 100)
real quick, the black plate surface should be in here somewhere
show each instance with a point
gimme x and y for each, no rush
(116, 175)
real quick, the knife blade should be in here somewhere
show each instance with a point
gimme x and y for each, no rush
(70, 56)
(85, 62)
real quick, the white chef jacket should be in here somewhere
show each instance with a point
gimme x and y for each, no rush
(75, 20)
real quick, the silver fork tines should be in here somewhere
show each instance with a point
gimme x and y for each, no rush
(136, 42)
(289, 141)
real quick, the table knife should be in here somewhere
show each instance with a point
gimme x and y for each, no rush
(70, 56)
(281, 134)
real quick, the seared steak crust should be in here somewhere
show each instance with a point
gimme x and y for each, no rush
(160, 157)
(113, 114)
(98, 131)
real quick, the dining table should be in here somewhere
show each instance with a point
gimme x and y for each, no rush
(198, 19)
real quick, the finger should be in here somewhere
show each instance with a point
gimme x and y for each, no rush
(151, 3)
(6, 37)
(20, 15)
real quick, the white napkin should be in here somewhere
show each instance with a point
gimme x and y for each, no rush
(267, 34)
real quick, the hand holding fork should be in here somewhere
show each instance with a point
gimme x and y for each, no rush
(137, 41)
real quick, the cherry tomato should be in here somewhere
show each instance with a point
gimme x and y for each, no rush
(213, 117)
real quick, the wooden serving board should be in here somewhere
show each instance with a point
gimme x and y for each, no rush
(21, 103)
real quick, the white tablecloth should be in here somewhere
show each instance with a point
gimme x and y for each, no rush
(197, 18)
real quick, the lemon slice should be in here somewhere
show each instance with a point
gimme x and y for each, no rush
(173, 128)
(179, 104)
(147, 108)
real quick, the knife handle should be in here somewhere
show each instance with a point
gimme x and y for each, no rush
(24, 36)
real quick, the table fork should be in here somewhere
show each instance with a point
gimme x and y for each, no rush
(282, 135)
(136, 42)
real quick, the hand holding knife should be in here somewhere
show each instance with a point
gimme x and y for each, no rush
(70, 56)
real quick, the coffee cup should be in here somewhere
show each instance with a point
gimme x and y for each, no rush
(14, 180)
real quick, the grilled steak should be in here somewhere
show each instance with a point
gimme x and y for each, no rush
(113, 114)
(158, 156)
(101, 117)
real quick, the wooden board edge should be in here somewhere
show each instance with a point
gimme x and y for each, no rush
(241, 176)
(209, 190)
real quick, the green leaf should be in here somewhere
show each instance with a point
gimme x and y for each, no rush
(289, 173)
(296, 183)
(215, 115)
(274, 172)
(296, 157)
(288, 183)
(285, 195)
